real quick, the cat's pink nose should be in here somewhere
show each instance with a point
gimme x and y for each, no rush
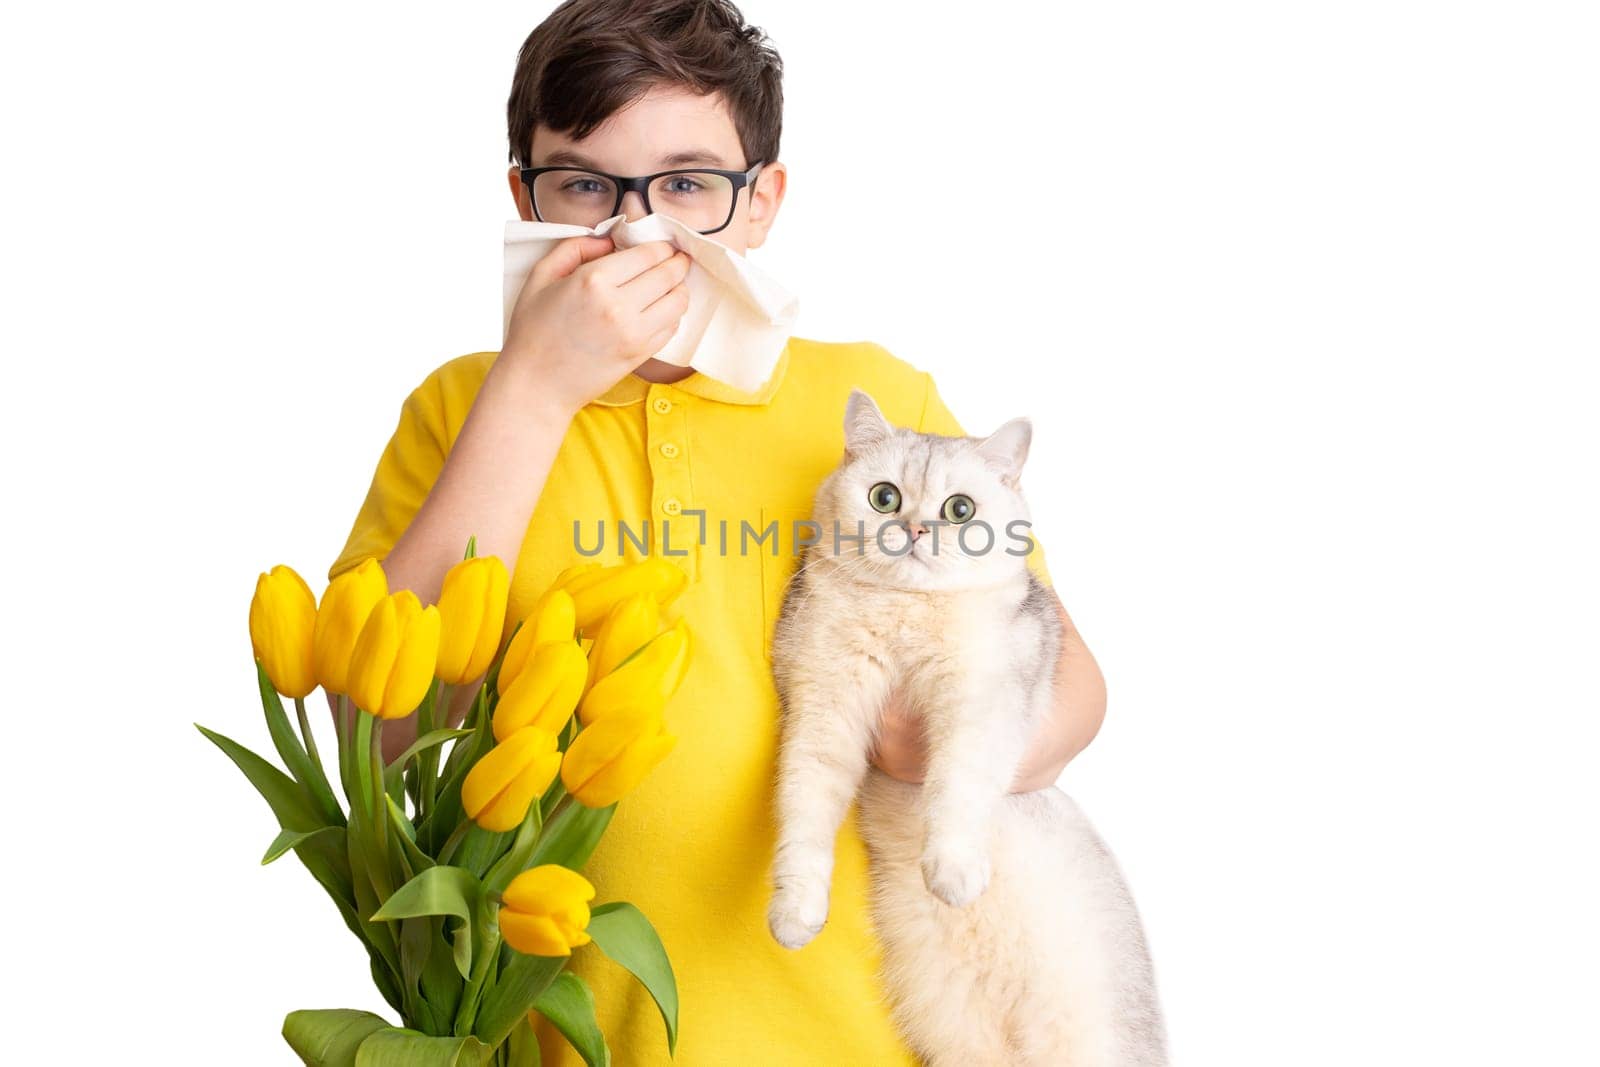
(917, 530)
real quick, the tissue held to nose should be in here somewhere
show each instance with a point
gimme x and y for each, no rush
(738, 318)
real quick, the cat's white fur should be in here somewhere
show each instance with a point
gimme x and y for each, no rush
(1008, 933)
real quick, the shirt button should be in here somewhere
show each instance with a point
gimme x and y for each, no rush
(669, 450)
(672, 505)
(662, 405)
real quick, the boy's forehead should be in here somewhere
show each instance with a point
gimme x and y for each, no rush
(666, 127)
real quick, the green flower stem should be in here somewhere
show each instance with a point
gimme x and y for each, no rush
(380, 808)
(449, 848)
(428, 765)
(305, 730)
(562, 801)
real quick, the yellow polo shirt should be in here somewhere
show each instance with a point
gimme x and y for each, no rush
(706, 471)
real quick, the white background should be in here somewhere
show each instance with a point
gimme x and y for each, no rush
(1302, 296)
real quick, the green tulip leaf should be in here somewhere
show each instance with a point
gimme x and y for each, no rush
(480, 848)
(450, 891)
(522, 1048)
(570, 838)
(376, 934)
(446, 812)
(329, 1037)
(288, 839)
(421, 744)
(568, 1003)
(415, 942)
(383, 977)
(521, 981)
(408, 1048)
(442, 981)
(308, 774)
(287, 800)
(416, 860)
(624, 934)
(515, 861)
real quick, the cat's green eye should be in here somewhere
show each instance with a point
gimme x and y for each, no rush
(959, 508)
(884, 497)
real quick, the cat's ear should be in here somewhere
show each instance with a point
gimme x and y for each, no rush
(864, 424)
(1006, 450)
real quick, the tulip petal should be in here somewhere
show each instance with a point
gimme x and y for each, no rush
(500, 767)
(346, 604)
(602, 744)
(648, 679)
(550, 620)
(373, 656)
(492, 618)
(545, 693)
(282, 623)
(532, 935)
(507, 810)
(626, 629)
(535, 888)
(415, 658)
(622, 775)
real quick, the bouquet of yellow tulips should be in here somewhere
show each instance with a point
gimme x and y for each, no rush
(457, 864)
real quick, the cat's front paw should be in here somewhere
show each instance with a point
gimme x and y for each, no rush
(796, 915)
(955, 872)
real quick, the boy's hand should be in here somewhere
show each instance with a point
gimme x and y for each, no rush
(902, 750)
(588, 315)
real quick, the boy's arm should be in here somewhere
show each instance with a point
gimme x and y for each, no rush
(487, 489)
(586, 318)
(1080, 708)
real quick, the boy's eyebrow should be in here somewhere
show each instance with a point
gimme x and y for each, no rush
(565, 157)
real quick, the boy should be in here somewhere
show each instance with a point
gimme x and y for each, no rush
(573, 423)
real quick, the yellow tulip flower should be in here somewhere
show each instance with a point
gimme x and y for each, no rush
(572, 572)
(551, 620)
(472, 615)
(346, 603)
(393, 661)
(613, 754)
(545, 693)
(283, 618)
(630, 624)
(648, 679)
(545, 911)
(597, 590)
(498, 789)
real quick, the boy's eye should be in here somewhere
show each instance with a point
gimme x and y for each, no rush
(884, 497)
(683, 185)
(959, 508)
(585, 187)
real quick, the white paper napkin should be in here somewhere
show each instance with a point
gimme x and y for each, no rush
(738, 318)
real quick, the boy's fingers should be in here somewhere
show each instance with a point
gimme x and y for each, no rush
(570, 254)
(647, 288)
(623, 265)
(657, 342)
(665, 312)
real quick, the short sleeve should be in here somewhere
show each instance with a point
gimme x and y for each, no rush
(409, 466)
(936, 418)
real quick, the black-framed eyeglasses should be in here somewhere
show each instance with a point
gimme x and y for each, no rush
(700, 198)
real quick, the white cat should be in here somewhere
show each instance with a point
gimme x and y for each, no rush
(1008, 933)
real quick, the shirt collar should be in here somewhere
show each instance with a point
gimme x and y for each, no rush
(632, 388)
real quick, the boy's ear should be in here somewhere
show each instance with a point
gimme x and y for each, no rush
(864, 424)
(1006, 450)
(519, 193)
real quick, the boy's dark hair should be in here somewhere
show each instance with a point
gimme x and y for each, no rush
(591, 58)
